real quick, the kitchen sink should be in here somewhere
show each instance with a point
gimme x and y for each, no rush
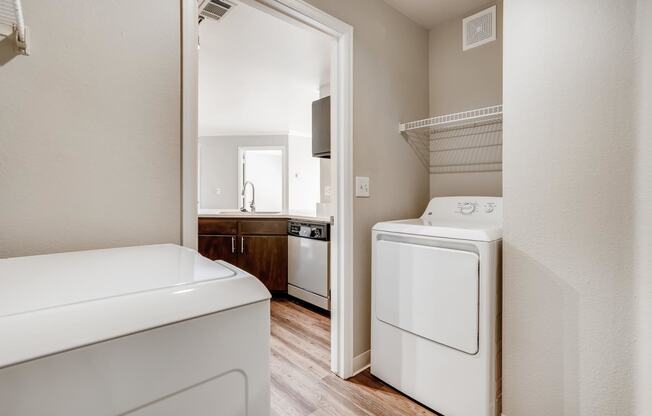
(236, 211)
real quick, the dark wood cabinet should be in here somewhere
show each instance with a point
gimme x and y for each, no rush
(258, 246)
(266, 257)
(263, 227)
(218, 226)
(219, 247)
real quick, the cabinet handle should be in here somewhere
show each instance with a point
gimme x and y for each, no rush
(233, 245)
(241, 245)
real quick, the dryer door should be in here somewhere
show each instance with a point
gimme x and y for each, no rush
(429, 291)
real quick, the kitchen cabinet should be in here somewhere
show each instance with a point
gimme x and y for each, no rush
(258, 246)
(219, 247)
(266, 257)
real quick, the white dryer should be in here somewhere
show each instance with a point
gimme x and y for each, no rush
(436, 298)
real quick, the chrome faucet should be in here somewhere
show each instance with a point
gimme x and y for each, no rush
(244, 197)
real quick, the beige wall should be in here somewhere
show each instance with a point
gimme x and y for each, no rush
(390, 61)
(459, 81)
(643, 204)
(89, 128)
(571, 188)
(466, 183)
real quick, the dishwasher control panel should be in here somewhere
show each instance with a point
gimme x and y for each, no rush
(314, 231)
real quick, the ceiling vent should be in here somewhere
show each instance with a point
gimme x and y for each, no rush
(479, 28)
(213, 9)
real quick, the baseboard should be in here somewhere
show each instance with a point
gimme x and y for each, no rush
(361, 362)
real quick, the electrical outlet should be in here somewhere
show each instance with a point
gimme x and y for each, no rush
(218, 191)
(327, 191)
(362, 187)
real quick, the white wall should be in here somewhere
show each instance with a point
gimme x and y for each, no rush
(218, 167)
(459, 81)
(304, 175)
(571, 183)
(390, 78)
(259, 73)
(89, 128)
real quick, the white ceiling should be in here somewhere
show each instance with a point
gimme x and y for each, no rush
(430, 13)
(259, 74)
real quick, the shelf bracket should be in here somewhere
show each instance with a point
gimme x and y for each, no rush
(11, 14)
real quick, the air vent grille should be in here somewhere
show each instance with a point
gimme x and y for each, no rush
(479, 28)
(214, 9)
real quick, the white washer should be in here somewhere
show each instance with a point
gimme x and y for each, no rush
(435, 331)
(139, 331)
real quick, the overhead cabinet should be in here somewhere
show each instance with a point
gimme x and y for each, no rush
(258, 246)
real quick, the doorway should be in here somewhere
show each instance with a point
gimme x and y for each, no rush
(300, 12)
(265, 167)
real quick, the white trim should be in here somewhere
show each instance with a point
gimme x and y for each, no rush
(342, 151)
(299, 10)
(189, 123)
(342, 260)
(361, 362)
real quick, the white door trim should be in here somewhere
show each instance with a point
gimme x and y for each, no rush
(189, 123)
(342, 154)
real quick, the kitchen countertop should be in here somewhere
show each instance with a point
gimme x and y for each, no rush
(232, 213)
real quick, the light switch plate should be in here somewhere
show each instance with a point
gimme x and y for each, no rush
(362, 187)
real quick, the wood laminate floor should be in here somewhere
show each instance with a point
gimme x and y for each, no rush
(302, 383)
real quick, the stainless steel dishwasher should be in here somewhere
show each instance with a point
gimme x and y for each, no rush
(309, 262)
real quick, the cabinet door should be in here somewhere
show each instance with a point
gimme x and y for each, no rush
(265, 257)
(219, 247)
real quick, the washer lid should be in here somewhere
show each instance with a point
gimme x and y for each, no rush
(464, 218)
(58, 280)
(51, 303)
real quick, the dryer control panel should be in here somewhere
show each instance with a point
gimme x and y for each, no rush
(474, 207)
(471, 207)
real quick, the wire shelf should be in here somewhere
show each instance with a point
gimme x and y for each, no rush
(12, 23)
(456, 120)
(470, 141)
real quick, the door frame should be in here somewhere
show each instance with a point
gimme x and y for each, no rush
(341, 152)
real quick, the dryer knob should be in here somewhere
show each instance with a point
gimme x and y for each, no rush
(467, 208)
